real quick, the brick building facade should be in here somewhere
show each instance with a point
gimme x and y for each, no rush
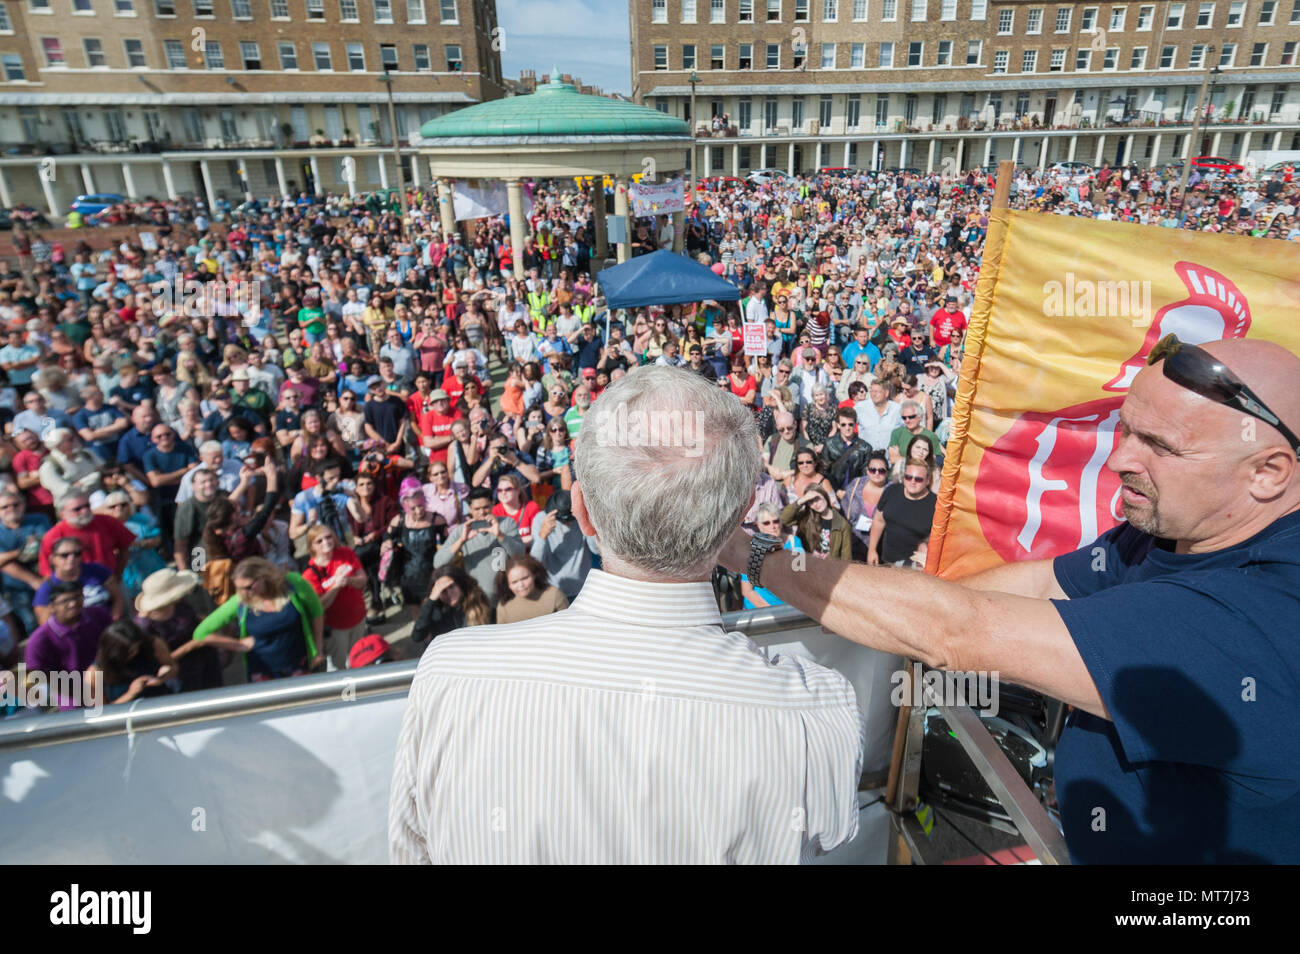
(151, 97)
(938, 84)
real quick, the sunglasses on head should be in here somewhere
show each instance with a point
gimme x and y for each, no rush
(1194, 368)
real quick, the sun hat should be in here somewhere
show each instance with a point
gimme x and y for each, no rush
(163, 588)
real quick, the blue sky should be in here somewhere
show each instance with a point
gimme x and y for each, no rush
(586, 38)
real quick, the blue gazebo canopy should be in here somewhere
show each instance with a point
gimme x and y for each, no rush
(663, 278)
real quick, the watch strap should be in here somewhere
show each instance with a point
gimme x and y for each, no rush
(758, 552)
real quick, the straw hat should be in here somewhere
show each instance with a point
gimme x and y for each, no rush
(164, 588)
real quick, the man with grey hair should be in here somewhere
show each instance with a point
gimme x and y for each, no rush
(574, 415)
(780, 378)
(212, 458)
(632, 727)
(780, 449)
(913, 426)
(809, 376)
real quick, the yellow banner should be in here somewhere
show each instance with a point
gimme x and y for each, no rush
(1066, 310)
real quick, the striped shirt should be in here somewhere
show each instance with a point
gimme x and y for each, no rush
(629, 728)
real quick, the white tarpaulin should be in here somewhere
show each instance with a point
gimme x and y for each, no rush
(483, 198)
(296, 785)
(658, 198)
(304, 786)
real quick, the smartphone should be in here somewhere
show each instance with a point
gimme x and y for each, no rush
(480, 525)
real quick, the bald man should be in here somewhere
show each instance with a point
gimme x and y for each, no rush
(1173, 636)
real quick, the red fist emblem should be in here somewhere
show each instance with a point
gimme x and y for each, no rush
(1043, 488)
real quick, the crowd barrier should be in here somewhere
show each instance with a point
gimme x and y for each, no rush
(297, 770)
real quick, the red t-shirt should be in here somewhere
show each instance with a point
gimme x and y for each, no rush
(414, 404)
(433, 424)
(28, 462)
(454, 387)
(523, 518)
(349, 607)
(102, 540)
(749, 384)
(944, 323)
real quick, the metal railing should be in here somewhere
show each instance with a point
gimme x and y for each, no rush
(207, 705)
(1026, 812)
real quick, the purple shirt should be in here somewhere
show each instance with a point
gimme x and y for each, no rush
(55, 647)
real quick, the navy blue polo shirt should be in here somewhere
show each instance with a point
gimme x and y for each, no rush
(1197, 660)
(132, 445)
(160, 462)
(142, 390)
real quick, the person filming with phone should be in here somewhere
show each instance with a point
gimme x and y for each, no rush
(501, 459)
(481, 541)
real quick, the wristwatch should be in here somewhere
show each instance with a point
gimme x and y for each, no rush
(760, 545)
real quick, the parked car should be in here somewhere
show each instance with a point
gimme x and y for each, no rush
(905, 170)
(838, 172)
(1075, 170)
(1217, 164)
(92, 205)
(764, 176)
(721, 183)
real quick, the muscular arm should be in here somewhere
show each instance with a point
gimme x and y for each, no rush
(1032, 578)
(945, 625)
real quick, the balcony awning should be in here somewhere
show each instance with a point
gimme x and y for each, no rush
(1006, 82)
(232, 98)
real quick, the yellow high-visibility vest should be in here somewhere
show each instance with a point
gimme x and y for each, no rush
(537, 302)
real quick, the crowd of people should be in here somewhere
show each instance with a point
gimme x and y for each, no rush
(237, 453)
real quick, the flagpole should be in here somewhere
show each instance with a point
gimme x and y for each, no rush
(903, 781)
(990, 265)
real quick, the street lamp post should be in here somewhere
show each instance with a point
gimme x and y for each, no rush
(387, 80)
(693, 80)
(1196, 126)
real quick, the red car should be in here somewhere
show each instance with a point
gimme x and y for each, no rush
(1217, 164)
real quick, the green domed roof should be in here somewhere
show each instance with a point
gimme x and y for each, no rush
(555, 109)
